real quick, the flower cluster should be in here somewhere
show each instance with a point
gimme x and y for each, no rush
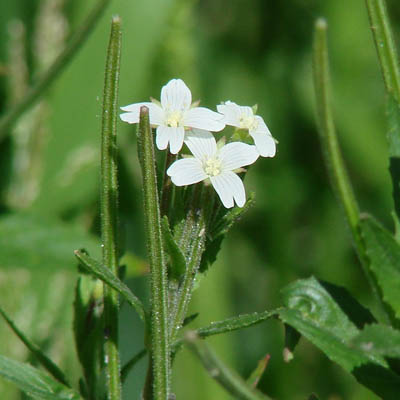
(179, 121)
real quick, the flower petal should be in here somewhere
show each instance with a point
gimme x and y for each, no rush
(171, 135)
(203, 118)
(201, 143)
(175, 95)
(265, 143)
(229, 187)
(176, 139)
(186, 171)
(156, 114)
(237, 154)
(263, 139)
(231, 112)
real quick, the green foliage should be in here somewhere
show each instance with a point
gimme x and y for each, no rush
(384, 254)
(34, 382)
(37, 243)
(103, 273)
(35, 350)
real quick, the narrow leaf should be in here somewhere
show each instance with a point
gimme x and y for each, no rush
(103, 273)
(34, 382)
(256, 375)
(227, 378)
(384, 254)
(178, 262)
(36, 351)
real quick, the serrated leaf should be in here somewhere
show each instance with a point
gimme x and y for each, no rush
(313, 313)
(36, 351)
(38, 243)
(34, 382)
(383, 252)
(381, 340)
(357, 313)
(104, 273)
(177, 258)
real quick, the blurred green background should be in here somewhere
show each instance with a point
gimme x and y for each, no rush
(247, 51)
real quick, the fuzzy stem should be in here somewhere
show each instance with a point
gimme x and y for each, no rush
(160, 353)
(109, 207)
(37, 90)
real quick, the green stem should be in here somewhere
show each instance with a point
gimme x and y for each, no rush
(385, 46)
(158, 274)
(192, 243)
(109, 208)
(333, 157)
(167, 187)
(227, 378)
(9, 119)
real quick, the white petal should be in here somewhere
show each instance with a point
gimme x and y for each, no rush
(265, 143)
(171, 135)
(237, 154)
(186, 171)
(201, 143)
(203, 118)
(162, 137)
(175, 95)
(156, 114)
(231, 112)
(229, 187)
(263, 139)
(176, 138)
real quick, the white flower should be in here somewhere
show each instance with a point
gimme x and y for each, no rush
(244, 118)
(173, 115)
(216, 164)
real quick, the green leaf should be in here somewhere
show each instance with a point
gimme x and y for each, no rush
(103, 273)
(258, 372)
(88, 332)
(313, 313)
(381, 340)
(177, 258)
(38, 243)
(383, 252)
(357, 313)
(223, 223)
(36, 351)
(131, 363)
(34, 382)
(235, 323)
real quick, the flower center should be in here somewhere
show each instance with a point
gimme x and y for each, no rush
(174, 119)
(212, 166)
(247, 122)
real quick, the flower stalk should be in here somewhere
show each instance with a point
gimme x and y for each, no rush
(109, 209)
(160, 353)
(333, 157)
